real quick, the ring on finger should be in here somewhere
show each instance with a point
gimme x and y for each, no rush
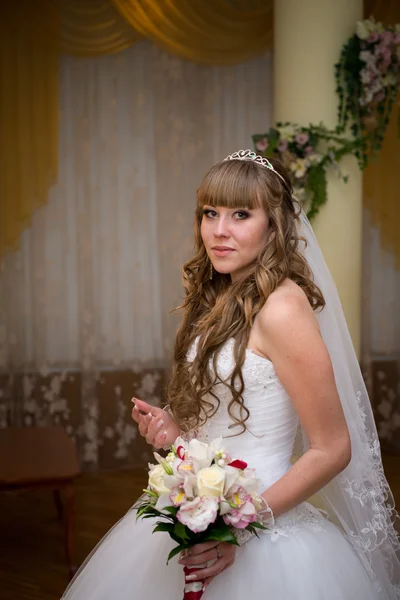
(219, 553)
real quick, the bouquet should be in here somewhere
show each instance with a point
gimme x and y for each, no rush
(198, 493)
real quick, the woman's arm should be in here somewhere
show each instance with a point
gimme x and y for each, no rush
(288, 333)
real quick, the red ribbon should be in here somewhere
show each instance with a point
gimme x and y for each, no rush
(192, 595)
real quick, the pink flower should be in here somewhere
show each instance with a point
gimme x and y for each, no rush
(302, 138)
(308, 150)
(379, 96)
(386, 37)
(177, 496)
(242, 516)
(373, 37)
(283, 145)
(366, 75)
(369, 58)
(262, 144)
(396, 38)
(383, 51)
(199, 513)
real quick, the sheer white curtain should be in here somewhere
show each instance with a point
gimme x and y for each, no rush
(381, 332)
(99, 270)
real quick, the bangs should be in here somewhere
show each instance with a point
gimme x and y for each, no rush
(232, 184)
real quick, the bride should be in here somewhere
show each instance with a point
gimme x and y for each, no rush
(263, 358)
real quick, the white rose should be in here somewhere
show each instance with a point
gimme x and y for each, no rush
(211, 481)
(156, 480)
(198, 513)
(361, 30)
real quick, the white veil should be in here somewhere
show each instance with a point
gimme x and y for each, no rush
(359, 497)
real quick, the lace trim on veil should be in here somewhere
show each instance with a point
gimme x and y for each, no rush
(371, 489)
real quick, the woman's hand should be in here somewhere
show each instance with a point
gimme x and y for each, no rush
(155, 424)
(221, 552)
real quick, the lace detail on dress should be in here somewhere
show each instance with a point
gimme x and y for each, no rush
(303, 516)
(259, 372)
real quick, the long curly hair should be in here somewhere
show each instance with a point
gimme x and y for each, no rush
(216, 310)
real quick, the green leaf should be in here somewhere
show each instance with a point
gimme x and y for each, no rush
(168, 527)
(316, 189)
(172, 509)
(141, 511)
(222, 536)
(180, 531)
(175, 551)
(150, 493)
(167, 468)
(258, 525)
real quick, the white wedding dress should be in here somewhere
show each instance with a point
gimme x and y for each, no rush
(305, 557)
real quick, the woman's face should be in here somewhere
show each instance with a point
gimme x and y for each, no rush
(234, 237)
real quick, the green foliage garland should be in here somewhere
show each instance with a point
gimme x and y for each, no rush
(367, 79)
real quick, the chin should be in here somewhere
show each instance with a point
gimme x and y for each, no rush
(223, 271)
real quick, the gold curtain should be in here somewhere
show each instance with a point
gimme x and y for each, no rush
(33, 34)
(28, 119)
(381, 188)
(217, 32)
(85, 27)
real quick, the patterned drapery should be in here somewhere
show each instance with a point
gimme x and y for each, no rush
(85, 321)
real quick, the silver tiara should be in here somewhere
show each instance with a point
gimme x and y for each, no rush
(250, 155)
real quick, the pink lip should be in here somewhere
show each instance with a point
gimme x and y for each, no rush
(222, 250)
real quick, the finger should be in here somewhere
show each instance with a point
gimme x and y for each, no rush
(136, 416)
(153, 430)
(160, 439)
(145, 407)
(155, 425)
(143, 426)
(198, 559)
(206, 572)
(199, 548)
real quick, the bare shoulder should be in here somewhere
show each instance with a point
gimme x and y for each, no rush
(287, 332)
(286, 305)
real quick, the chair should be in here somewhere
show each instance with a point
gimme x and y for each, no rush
(42, 457)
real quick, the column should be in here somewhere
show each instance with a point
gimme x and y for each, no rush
(308, 37)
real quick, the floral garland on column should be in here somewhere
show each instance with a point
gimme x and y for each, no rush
(367, 80)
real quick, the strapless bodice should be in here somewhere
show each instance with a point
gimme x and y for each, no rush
(267, 444)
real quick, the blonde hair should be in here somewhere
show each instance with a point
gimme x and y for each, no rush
(218, 309)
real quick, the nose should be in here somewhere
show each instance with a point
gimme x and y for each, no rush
(221, 228)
